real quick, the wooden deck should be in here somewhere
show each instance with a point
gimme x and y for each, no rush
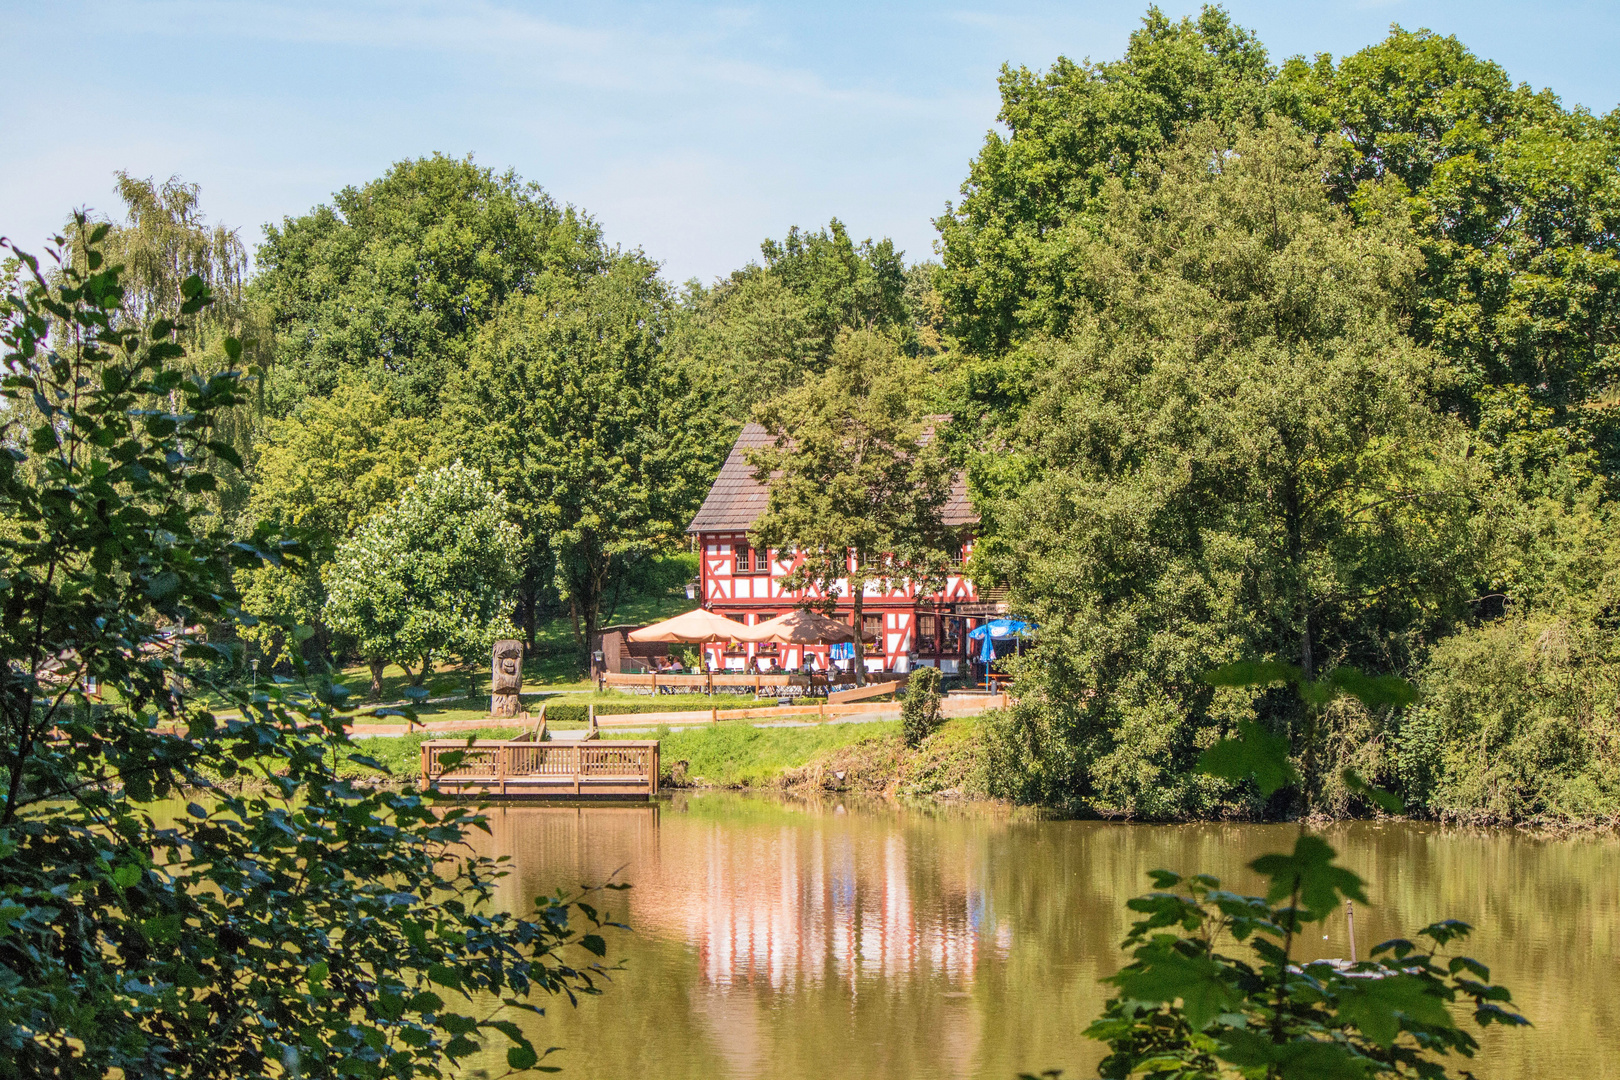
(620, 769)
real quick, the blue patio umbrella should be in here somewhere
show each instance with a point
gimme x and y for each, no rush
(997, 630)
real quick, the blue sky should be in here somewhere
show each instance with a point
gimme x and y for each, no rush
(690, 130)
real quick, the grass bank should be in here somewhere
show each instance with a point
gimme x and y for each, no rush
(833, 757)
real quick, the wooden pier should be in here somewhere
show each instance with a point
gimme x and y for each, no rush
(618, 769)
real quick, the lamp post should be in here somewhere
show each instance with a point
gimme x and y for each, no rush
(255, 676)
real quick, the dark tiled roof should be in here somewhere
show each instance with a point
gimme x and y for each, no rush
(736, 500)
(958, 507)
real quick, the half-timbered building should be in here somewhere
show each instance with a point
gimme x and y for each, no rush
(902, 626)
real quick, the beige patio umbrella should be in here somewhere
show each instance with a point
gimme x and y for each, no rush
(695, 626)
(800, 627)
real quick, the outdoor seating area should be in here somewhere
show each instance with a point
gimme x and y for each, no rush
(704, 628)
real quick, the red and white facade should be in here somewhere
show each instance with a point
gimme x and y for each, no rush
(744, 583)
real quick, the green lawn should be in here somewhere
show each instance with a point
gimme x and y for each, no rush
(740, 755)
(556, 666)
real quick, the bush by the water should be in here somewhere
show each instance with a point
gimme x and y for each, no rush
(920, 715)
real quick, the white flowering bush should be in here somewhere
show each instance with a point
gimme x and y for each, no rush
(432, 574)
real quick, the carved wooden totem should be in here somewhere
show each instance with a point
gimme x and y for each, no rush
(507, 678)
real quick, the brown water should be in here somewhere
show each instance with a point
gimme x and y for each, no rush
(827, 939)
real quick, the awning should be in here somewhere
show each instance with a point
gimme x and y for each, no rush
(695, 626)
(800, 627)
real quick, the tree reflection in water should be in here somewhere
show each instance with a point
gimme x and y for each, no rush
(790, 939)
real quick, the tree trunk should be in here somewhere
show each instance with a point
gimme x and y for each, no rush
(525, 612)
(857, 597)
(376, 676)
(421, 672)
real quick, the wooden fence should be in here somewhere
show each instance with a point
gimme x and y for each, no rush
(950, 705)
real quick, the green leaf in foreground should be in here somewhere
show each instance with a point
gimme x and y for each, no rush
(1310, 872)
(1163, 973)
(1255, 753)
(1375, 1006)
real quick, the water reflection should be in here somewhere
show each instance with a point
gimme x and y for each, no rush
(803, 939)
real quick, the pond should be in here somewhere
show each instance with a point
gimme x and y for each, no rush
(817, 939)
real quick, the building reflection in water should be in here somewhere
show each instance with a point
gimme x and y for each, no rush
(807, 906)
(779, 905)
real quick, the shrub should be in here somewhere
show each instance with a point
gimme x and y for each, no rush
(919, 716)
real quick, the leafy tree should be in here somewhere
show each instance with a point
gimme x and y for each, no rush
(430, 574)
(856, 485)
(1518, 719)
(162, 240)
(1012, 245)
(749, 335)
(1518, 204)
(604, 445)
(843, 285)
(1235, 453)
(286, 924)
(766, 328)
(1513, 197)
(324, 470)
(1189, 1008)
(393, 280)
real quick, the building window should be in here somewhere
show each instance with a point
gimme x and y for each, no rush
(925, 633)
(742, 559)
(762, 560)
(872, 627)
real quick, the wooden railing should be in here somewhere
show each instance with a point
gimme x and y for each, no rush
(954, 704)
(542, 770)
(706, 683)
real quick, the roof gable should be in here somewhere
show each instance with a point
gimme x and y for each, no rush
(736, 500)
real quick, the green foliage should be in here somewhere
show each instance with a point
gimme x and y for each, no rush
(1461, 475)
(393, 280)
(571, 403)
(1256, 754)
(1517, 723)
(1235, 453)
(765, 329)
(1213, 989)
(162, 240)
(282, 920)
(857, 487)
(1015, 245)
(843, 285)
(919, 714)
(430, 575)
(323, 471)
(1517, 200)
